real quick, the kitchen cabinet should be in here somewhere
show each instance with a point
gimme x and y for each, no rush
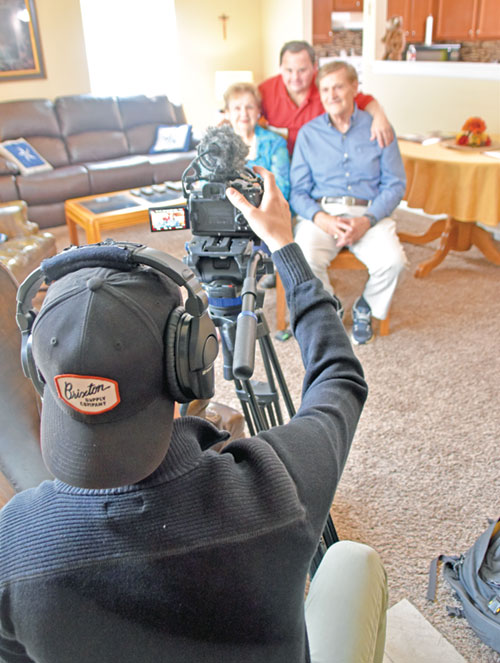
(455, 20)
(488, 20)
(414, 13)
(467, 20)
(347, 5)
(322, 21)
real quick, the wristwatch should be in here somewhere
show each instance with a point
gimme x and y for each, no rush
(371, 219)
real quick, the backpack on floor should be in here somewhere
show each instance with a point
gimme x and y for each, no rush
(475, 578)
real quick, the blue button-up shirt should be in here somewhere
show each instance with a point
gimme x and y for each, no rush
(326, 162)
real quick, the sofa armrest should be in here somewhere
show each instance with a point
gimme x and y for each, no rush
(14, 219)
(8, 167)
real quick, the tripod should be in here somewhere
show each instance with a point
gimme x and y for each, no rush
(260, 400)
(237, 313)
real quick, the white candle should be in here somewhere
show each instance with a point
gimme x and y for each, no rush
(428, 30)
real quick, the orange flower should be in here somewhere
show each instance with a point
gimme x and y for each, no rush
(475, 125)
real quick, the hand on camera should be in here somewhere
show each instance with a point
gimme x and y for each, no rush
(271, 221)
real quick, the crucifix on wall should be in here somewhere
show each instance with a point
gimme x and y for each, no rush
(224, 19)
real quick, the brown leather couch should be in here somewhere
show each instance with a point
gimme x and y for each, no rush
(26, 246)
(95, 145)
(21, 464)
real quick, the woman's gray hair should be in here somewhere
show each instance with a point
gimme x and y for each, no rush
(236, 89)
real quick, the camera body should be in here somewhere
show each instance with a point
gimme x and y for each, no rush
(211, 213)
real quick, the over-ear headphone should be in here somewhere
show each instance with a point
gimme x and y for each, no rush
(190, 338)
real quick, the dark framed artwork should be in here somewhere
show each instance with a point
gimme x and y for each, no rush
(20, 47)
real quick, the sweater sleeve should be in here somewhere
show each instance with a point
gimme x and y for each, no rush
(314, 445)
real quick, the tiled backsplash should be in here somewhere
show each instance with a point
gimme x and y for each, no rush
(350, 42)
(480, 51)
(344, 42)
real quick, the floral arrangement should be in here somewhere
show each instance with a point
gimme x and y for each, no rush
(473, 133)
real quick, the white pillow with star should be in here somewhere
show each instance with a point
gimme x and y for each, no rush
(24, 156)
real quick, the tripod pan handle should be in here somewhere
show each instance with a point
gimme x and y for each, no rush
(244, 345)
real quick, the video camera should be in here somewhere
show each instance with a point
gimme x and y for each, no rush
(220, 164)
(223, 242)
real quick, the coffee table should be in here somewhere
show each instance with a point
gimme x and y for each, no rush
(117, 209)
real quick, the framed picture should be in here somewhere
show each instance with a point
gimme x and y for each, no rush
(20, 48)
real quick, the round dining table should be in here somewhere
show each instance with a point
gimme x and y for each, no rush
(464, 185)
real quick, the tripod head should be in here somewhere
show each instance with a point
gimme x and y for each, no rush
(228, 269)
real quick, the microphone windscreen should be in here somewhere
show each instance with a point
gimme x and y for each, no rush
(222, 152)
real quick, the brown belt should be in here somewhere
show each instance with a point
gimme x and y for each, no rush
(344, 200)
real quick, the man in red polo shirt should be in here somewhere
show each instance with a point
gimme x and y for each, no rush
(291, 98)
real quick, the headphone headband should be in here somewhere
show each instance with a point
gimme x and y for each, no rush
(192, 340)
(116, 255)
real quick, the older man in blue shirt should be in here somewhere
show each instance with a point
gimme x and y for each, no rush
(344, 188)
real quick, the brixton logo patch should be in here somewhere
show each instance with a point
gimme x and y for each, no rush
(87, 394)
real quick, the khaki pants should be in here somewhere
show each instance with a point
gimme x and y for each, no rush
(379, 249)
(346, 606)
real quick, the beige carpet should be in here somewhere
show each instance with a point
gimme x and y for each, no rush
(423, 474)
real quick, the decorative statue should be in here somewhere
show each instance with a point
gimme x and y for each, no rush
(394, 39)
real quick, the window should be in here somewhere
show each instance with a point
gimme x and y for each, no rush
(131, 47)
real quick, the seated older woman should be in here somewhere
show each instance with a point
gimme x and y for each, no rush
(266, 148)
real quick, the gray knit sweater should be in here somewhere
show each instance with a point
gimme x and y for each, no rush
(205, 560)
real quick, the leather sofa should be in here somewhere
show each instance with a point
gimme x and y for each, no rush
(95, 145)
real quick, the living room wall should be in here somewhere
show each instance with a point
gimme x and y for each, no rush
(63, 48)
(204, 50)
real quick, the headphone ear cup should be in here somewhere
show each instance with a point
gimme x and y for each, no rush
(28, 363)
(191, 348)
(173, 354)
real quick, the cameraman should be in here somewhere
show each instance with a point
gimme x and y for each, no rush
(154, 547)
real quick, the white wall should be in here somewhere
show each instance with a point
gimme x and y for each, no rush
(282, 21)
(204, 51)
(420, 103)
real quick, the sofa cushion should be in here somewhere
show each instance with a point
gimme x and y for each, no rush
(83, 112)
(54, 186)
(141, 109)
(117, 174)
(167, 166)
(140, 117)
(8, 188)
(92, 127)
(8, 167)
(24, 156)
(175, 138)
(96, 146)
(36, 120)
(47, 216)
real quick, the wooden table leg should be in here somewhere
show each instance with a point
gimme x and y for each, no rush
(72, 230)
(455, 235)
(432, 233)
(484, 242)
(446, 243)
(93, 232)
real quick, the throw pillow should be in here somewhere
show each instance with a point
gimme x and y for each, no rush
(24, 155)
(172, 139)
